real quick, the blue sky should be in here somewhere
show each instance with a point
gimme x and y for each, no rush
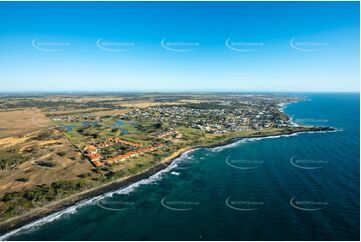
(174, 46)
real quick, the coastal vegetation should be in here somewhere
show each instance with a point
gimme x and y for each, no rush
(65, 145)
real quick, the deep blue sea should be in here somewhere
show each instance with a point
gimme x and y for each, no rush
(300, 187)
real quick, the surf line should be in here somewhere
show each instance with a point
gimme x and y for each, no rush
(155, 177)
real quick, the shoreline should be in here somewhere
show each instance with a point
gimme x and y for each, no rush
(16, 223)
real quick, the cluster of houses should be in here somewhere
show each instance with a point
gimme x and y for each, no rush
(219, 116)
(93, 152)
(112, 141)
(215, 120)
(131, 154)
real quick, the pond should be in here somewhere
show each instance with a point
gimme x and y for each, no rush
(69, 127)
(89, 123)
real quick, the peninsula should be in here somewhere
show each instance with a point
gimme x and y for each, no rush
(59, 149)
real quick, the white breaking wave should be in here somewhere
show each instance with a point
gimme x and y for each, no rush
(282, 106)
(247, 140)
(175, 173)
(155, 177)
(92, 201)
(31, 226)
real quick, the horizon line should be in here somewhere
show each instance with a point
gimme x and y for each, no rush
(170, 91)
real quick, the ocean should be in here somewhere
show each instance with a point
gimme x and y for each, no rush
(296, 187)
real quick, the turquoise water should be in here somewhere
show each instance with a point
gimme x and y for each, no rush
(303, 187)
(69, 127)
(89, 123)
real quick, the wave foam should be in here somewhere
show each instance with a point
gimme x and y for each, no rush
(247, 140)
(155, 177)
(73, 209)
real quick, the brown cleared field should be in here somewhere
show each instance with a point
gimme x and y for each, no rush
(142, 104)
(145, 104)
(20, 122)
(67, 160)
(29, 136)
(110, 112)
(75, 111)
(11, 141)
(83, 99)
(192, 101)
